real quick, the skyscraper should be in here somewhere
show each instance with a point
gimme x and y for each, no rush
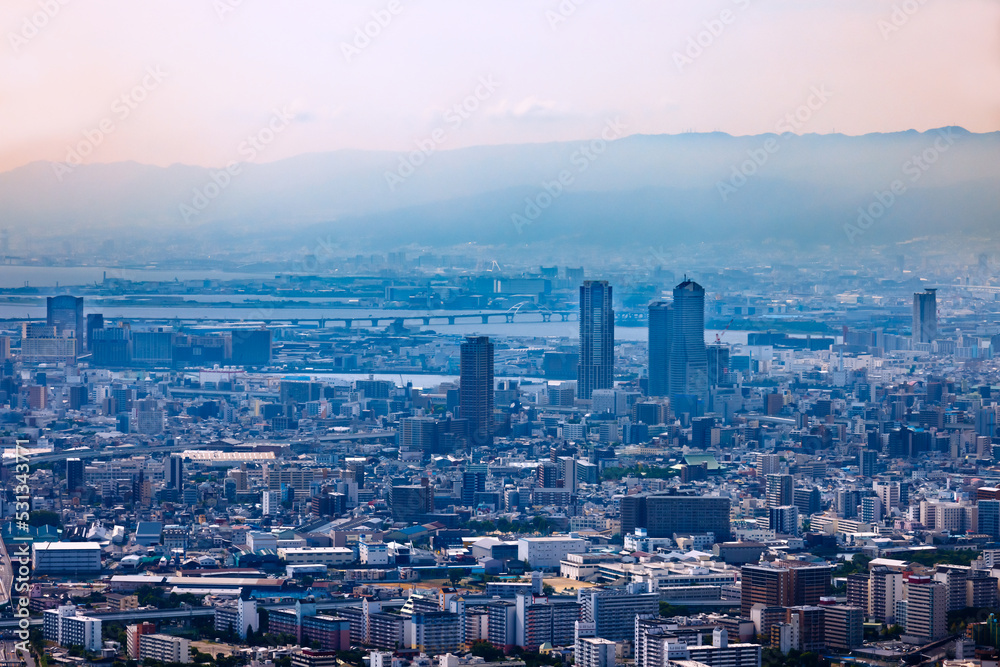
(660, 321)
(779, 490)
(175, 472)
(74, 475)
(688, 357)
(251, 347)
(597, 338)
(476, 390)
(925, 316)
(65, 313)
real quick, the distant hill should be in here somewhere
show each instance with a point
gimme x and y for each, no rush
(657, 189)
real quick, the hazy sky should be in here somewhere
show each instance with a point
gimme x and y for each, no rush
(553, 71)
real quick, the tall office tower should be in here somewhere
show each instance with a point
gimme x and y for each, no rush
(94, 321)
(65, 313)
(596, 368)
(74, 475)
(476, 390)
(175, 472)
(660, 327)
(779, 490)
(868, 462)
(473, 482)
(411, 502)
(989, 518)
(718, 363)
(925, 316)
(251, 347)
(688, 357)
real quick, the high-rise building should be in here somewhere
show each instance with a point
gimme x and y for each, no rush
(411, 502)
(783, 584)
(473, 482)
(718, 363)
(688, 357)
(66, 626)
(65, 313)
(540, 620)
(595, 370)
(613, 611)
(926, 608)
(867, 462)
(809, 501)
(175, 472)
(251, 347)
(784, 519)
(768, 464)
(885, 588)
(925, 316)
(476, 391)
(660, 329)
(132, 634)
(989, 518)
(74, 475)
(94, 321)
(164, 648)
(843, 626)
(664, 515)
(779, 490)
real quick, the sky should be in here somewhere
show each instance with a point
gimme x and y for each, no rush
(192, 81)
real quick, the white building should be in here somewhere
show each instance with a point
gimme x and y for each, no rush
(595, 652)
(372, 553)
(164, 648)
(271, 502)
(257, 541)
(66, 557)
(63, 626)
(546, 552)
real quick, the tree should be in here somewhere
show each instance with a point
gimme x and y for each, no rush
(455, 576)
(486, 650)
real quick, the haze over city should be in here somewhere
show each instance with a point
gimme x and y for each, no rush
(500, 334)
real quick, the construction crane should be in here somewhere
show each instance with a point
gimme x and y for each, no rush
(718, 336)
